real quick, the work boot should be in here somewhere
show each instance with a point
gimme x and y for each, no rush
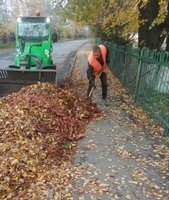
(105, 102)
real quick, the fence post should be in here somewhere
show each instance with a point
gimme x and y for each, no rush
(166, 129)
(112, 58)
(124, 70)
(138, 76)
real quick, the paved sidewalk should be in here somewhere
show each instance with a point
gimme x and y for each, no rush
(119, 158)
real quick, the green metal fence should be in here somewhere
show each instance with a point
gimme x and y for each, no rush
(146, 75)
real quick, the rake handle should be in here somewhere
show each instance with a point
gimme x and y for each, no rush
(91, 91)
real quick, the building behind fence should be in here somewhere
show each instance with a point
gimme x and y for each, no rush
(146, 75)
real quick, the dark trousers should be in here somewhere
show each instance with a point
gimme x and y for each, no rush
(103, 79)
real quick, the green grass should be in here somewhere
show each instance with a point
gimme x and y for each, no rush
(159, 101)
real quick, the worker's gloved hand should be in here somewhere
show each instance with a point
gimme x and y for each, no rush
(91, 82)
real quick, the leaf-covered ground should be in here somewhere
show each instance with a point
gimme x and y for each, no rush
(38, 129)
(123, 156)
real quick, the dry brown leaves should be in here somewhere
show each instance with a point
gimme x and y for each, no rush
(138, 115)
(141, 119)
(38, 127)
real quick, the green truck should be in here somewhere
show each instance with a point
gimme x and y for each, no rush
(33, 60)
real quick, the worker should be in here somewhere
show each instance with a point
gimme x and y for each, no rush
(97, 67)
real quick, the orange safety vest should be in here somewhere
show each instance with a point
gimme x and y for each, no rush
(97, 67)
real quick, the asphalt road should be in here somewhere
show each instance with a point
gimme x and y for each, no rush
(63, 54)
(7, 58)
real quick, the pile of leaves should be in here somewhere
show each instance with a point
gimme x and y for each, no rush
(38, 126)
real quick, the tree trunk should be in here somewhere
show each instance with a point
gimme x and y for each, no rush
(167, 44)
(149, 36)
(167, 29)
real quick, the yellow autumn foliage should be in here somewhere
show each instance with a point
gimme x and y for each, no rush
(112, 16)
